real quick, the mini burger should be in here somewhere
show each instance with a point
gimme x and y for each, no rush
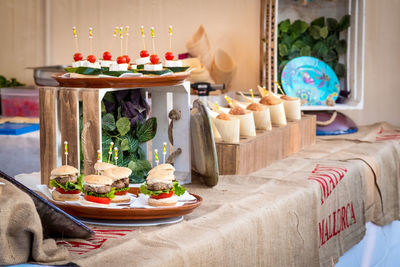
(120, 177)
(97, 189)
(161, 186)
(66, 182)
(100, 167)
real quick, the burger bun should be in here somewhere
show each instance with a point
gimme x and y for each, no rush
(117, 173)
(121, 199)
(57, 196)
(170, 201)
(97, 179)
(64, 170)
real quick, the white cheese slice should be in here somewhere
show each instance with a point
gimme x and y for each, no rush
(153, 67)
(173, 63)
(106, 63)
(95, 65)
(134, 67)
(142, 60)
(119, 67)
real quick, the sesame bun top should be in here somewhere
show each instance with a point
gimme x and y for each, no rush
(101, 166)
(162, 172)
(64, 170)
(165, 167)
(118, 172)
(97, 179)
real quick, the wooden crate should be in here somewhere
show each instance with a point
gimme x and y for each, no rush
(59, 122)
(267, 147)
(274, 11)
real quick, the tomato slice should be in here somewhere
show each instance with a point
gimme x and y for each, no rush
(101, 200)
(62, 191)
(163, 195)
(121, 193)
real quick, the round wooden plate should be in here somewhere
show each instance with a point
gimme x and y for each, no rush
(124, 82)
(129, 213)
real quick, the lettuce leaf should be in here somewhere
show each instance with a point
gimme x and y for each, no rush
(122, 189)
(178, 190)
(109, 195)
(68, 185)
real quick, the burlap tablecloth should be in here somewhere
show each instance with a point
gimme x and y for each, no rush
(306, 210)
(21, 236)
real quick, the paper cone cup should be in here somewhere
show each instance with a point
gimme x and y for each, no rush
(277, 113)
(262, 119)
(229, 130)
(199, 73)
(292, 109)
(199, 46)
(247, 126)
(216, 133)
(223, 68)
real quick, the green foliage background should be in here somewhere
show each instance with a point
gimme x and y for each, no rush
(320, 39)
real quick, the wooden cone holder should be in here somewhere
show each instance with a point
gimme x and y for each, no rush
(59, 122)
(254, 153)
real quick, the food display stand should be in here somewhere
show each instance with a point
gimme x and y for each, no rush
(59, 118)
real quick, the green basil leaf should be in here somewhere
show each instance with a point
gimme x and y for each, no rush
(332, 24)
(125, 144)
(344, 23)
(147, 131)
(283, 50)
(315, 32)
(320, 22)
(108, 122)
(324, 32)
(284, 25)
(305, 51)
(88, 71)
(123, 126)
(341, 47)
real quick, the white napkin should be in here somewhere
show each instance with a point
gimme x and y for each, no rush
(142, 201)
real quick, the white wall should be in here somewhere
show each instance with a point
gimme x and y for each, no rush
(231, 24)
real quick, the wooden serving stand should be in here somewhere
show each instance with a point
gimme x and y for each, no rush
(59, 119)
(254, 153)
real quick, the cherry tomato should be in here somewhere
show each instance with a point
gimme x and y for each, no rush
(121, 193)
(78, 56)
(169, 56)
(101, 200)
(144, 53)
(107, 55)
(128, 59)
(91, 58)
(121, 60)
(163, 195)
(154, 59)
(62, 191)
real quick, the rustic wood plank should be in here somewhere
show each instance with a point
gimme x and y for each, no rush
(48, 151)
(267, 147)
(69, 121)
(91, 133)
(263, 42)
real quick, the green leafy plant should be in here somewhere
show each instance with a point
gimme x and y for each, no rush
(124, 123)
(320, 39)
(9, 83)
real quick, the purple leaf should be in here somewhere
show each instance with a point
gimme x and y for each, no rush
(110, 107)
(120, 95)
